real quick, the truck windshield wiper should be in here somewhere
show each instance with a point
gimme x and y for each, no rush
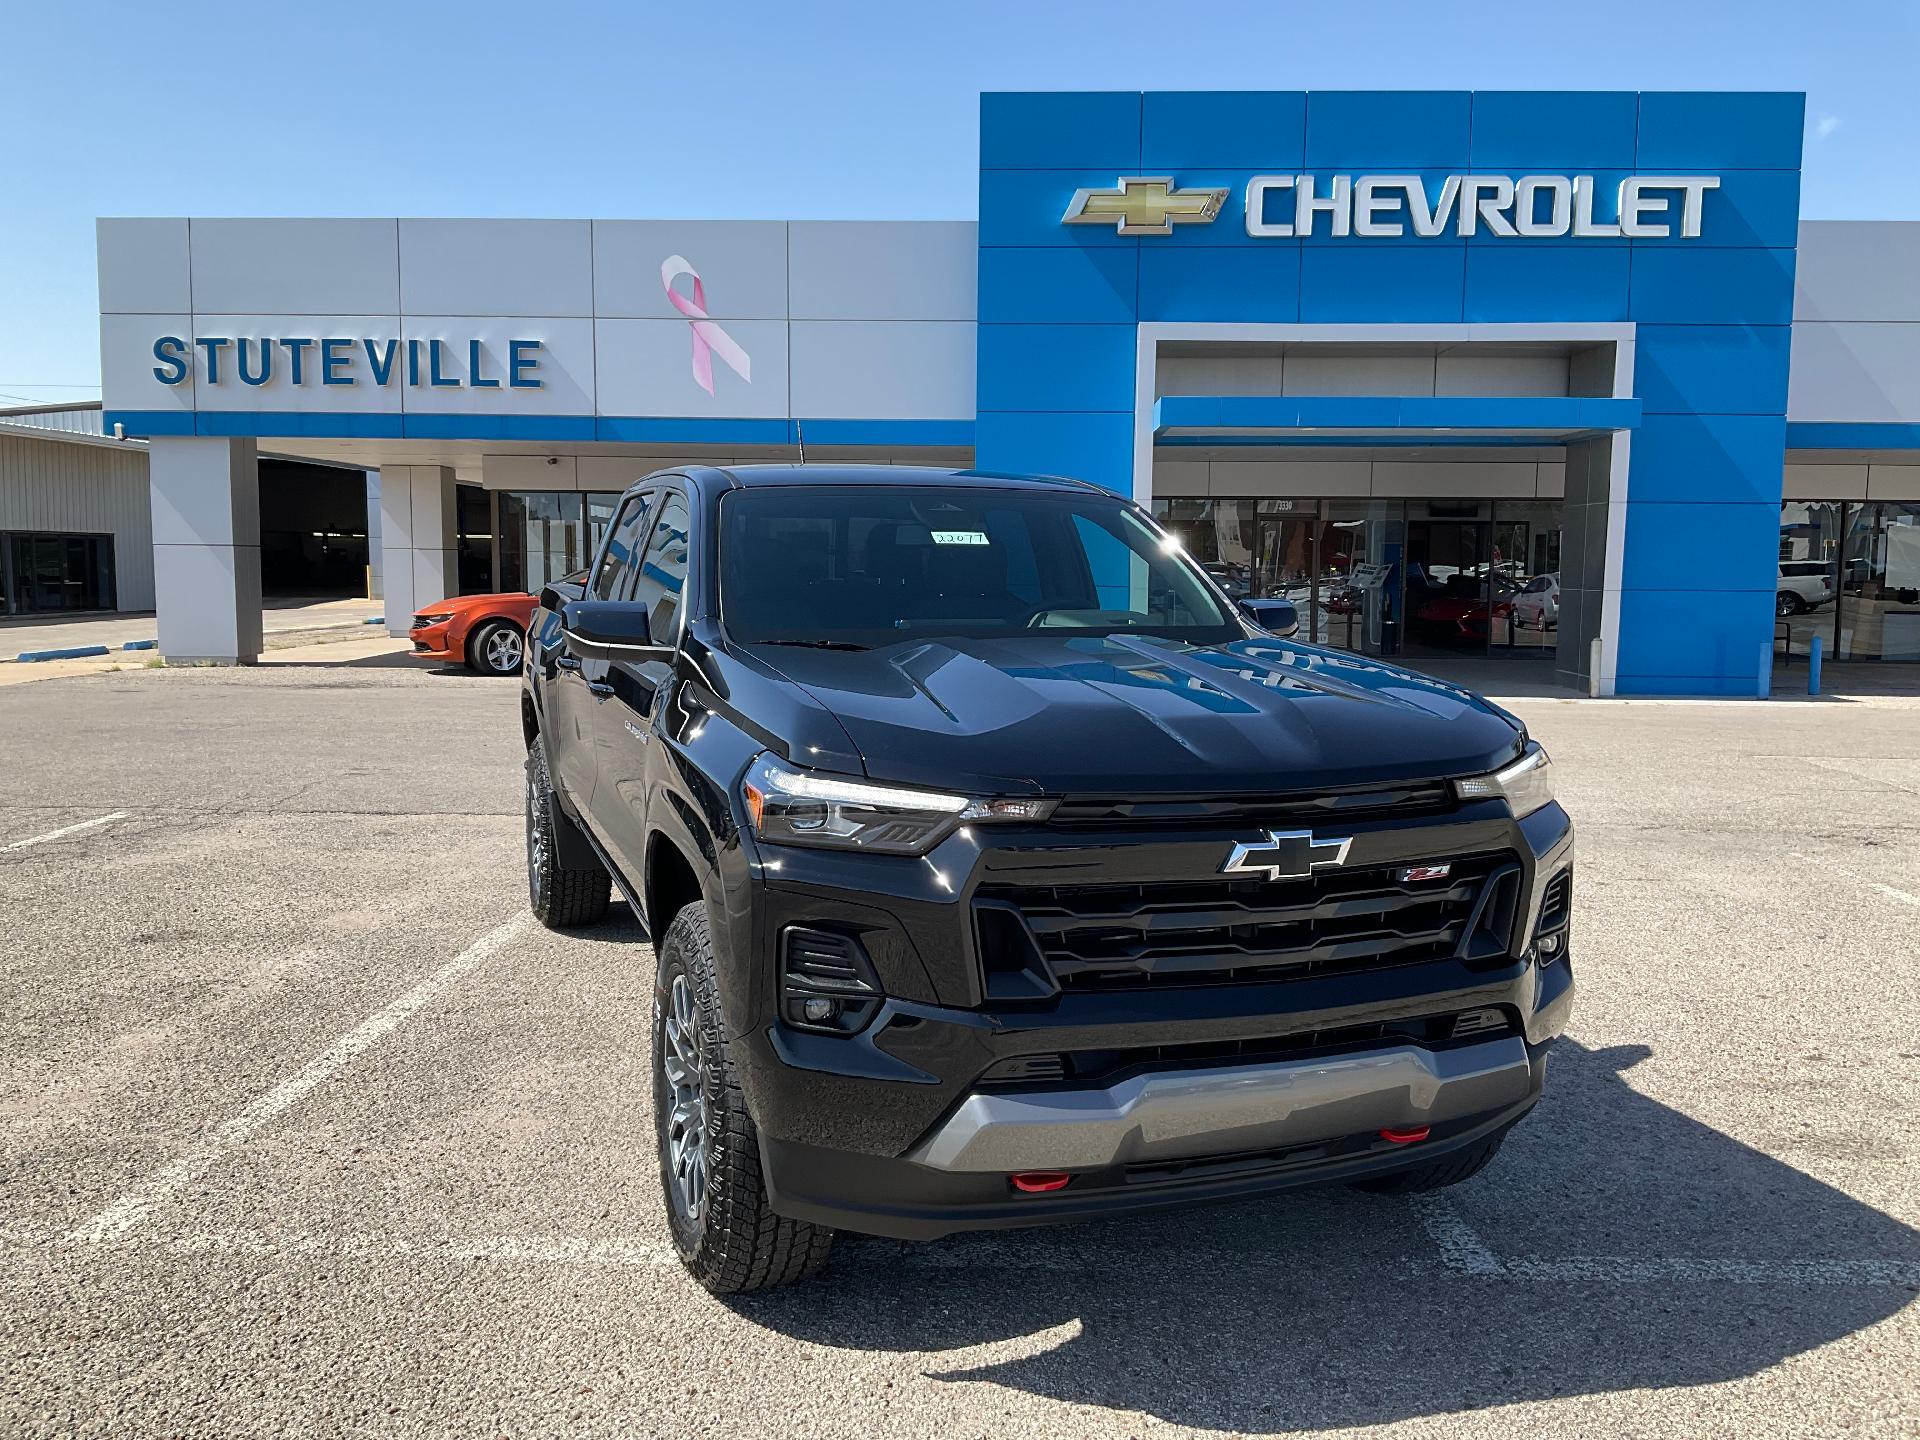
(818, 644)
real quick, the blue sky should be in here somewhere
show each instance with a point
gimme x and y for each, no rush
(756, 110)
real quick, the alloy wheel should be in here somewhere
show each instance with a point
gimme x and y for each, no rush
(683, 1069)
(502, 650)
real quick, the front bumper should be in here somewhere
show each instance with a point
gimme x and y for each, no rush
(910, 1199)
(436, 642)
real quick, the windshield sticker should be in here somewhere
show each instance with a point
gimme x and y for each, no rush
(959, 537)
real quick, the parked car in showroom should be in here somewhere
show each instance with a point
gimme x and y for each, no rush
(487, 633)
(1804, 585)
(1537, 604)
(1000, 871)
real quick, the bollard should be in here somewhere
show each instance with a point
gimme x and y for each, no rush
(1813, 666)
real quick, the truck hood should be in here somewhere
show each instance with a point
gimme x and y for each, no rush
(1135, 715)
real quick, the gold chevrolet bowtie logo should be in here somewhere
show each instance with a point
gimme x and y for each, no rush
(1144, 205)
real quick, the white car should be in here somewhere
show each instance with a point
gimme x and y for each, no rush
(1804, 585)
(1536, 606)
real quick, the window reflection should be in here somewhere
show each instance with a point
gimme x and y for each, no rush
(547, 535)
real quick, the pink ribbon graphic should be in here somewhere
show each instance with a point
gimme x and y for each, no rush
(708, 338)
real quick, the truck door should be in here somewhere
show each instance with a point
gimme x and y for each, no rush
(627, 723)
(578, 686)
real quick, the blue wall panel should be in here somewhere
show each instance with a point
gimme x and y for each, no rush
(1058, 282)
(1406, 283)
(1554, 131)
(1680, 549)
(1255, 130)
(1042, 130)
(1387, 130)
(1700, 642)
(1084, 446)
(1713, 287)
(1243, 285)
(1547, 282)
(1056, 367)
(1737, 459)
(1712, 369)
(1722, 130)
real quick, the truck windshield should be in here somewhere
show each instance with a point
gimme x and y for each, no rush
(867, 565)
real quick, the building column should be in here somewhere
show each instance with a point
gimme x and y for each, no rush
(206, 548)
(375, 560)
(419, 540)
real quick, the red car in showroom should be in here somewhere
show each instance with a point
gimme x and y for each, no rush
(487, 633)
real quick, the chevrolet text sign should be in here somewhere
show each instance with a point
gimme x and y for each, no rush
(1640, 207)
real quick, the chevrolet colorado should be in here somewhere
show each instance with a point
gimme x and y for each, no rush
(1001, 871)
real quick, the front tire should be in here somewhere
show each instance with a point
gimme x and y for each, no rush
(561, 898)
(497, 648)
(1789, 604)
(723, 1224)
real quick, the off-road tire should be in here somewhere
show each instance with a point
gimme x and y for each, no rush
(1438, 1174)
(736, 1243)
(477, 646)
(561, 898)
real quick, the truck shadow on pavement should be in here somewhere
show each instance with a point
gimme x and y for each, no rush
(1615, 1244)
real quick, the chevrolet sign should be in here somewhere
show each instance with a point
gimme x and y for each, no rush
(1385, 207)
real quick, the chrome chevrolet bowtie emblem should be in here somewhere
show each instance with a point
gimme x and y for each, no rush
(1286, 855)
(1144, 205)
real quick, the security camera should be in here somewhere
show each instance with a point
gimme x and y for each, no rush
(553, 459)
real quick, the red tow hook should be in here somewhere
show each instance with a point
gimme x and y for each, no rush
(1039, 1182)
(1407, 1137)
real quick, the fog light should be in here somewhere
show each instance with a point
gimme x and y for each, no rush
(819, 1012)
(1550, 945)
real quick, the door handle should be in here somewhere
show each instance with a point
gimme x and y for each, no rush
(566, 662)
(598, 690)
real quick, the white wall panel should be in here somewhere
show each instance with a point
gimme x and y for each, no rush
(615, 472)
(742, 266)
(646, 368)
(1857, 270)
(1435, 478)
(60, 487)
(1465, 374)
(883, 270)
(280, 393)
(566, 367)
(1358, 374)
(1289, 477)
(1855, 372)
(1218, 375)
(1893, 482)
(127, 380)
(1825, 482)
(144, 267)
(883, 370)
(295, 267)
(1179, 477)
(496, 267)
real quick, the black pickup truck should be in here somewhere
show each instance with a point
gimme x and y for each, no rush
(1001, 871)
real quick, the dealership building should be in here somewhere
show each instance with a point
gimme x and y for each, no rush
(1561, 377)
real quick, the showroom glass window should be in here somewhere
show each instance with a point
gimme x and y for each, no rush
(1849, 573)
(546, 535)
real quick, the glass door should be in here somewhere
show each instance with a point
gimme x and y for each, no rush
(1450, 580)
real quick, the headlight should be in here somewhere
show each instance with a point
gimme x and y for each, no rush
(1526, 784)
(805, 807)
(420, 620)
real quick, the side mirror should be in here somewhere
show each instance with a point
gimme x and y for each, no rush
(608, 630)
(1274, 615)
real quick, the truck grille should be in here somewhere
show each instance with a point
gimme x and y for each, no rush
(1209, 932)
(1416, 797)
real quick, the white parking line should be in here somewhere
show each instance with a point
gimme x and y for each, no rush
(134, 1206)
(1461, 1247)
(65, 830)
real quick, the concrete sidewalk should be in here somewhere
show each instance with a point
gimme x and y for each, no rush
(28, 633)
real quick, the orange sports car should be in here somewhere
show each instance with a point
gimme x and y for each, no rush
(487, 633)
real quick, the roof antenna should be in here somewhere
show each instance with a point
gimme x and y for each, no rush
(800, 434)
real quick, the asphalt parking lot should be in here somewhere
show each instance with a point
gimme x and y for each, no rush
(307, 1128)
